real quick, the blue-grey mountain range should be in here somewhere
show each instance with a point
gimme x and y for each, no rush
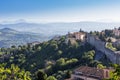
(59, 28)
(10, 37)
(22, 33)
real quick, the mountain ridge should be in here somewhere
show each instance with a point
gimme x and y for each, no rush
(9, 37)
(60, 27)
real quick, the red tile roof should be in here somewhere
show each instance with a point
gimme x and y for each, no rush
(93, 72)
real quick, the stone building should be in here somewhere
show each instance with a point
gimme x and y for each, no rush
(116, 32)
(75, 36)
(90, 73)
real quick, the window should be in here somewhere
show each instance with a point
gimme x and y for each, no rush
(107, 74)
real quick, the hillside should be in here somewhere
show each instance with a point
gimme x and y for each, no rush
(54, 57)
(9, 37)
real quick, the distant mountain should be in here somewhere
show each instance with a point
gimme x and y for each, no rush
(8, 30)
(29, 32)
(9, 37)
(50, 29)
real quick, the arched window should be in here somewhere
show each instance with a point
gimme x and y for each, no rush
(107, 74)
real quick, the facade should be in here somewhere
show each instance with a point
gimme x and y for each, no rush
(90, 73)
(116, 32)
(79, 36)
(75, 36)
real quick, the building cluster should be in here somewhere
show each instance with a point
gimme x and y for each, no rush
(90, 73)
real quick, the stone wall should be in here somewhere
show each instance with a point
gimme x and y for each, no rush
(100, 45)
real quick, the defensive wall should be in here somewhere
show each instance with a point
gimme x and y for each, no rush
(113, 56)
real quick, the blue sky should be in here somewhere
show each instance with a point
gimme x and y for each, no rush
(60, 10)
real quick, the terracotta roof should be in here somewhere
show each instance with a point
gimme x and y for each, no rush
(92, 72)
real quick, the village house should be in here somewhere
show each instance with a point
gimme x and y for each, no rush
(90, 73)
(75, 36)
(116, 32)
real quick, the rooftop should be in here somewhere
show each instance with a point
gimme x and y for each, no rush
(91, 72)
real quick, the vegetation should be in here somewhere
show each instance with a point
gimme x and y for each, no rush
(110, 46)
(115, 75)
(13, 73)
(51, 60)
(55, 58)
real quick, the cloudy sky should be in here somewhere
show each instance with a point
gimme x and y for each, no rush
(60, 10)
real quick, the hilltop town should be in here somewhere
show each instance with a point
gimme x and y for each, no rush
(96, 40)
(72, 56)
(106, 42)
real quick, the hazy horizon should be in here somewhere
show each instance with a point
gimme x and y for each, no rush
(26, 21)
(47, 11)
(59, 16)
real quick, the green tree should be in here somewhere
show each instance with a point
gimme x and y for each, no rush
(41, 75)
(51, 78)
(68, 74)
(100, 66)
(13, 73)
(59, 52)
(61, 61)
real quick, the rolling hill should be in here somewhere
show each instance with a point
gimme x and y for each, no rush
(60, 28)
(9, 37)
